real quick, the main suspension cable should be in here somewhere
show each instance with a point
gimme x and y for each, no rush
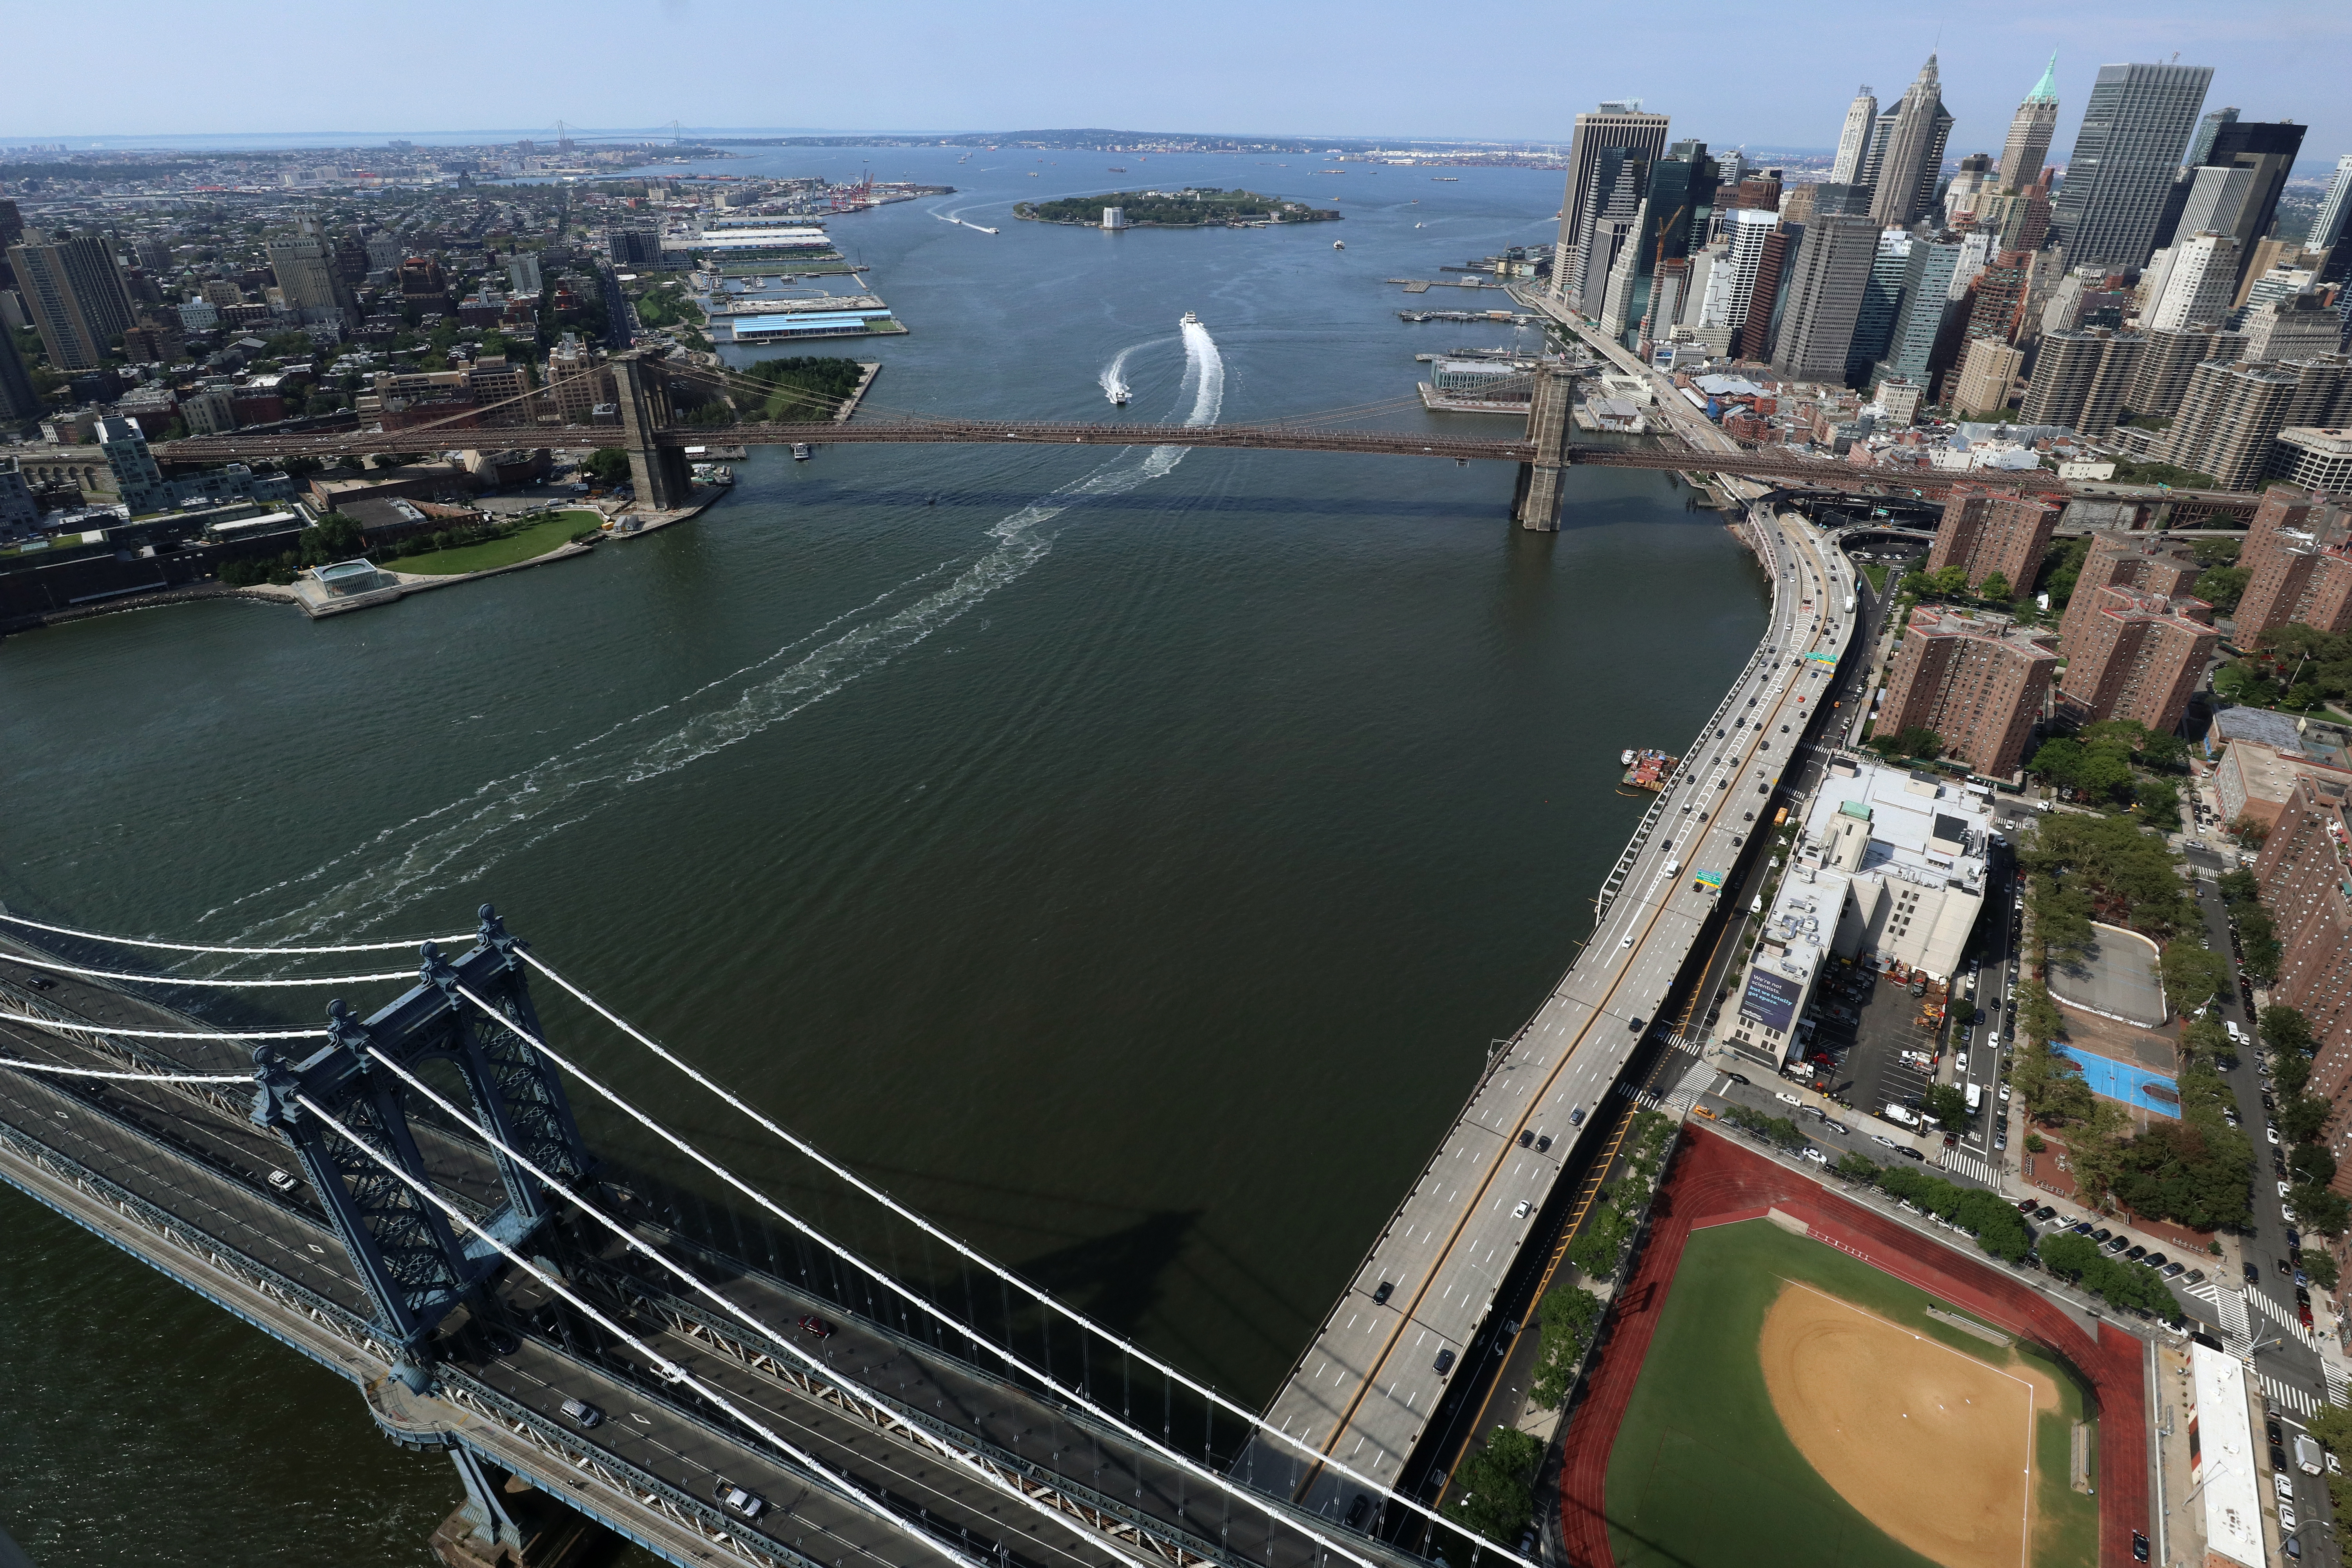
(132, 1077)
(57, 1026)
(64, 968)
(254, 952)
(669, 1369)
(735, 1309)
(922, 1304)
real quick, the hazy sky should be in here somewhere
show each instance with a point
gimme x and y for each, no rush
(1733, 74)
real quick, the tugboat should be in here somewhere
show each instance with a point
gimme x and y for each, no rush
(800, 451)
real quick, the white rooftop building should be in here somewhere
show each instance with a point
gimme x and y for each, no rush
(1888, 867)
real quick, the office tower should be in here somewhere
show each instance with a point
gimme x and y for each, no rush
(1907, 155)
(2162, 379)
(1731, 167)
(1731, 280)
(1882, 305)
(385, 253)
(304, 267)
(422, 281)
(2120, 559)
(2015, 220)
(1973, 182)
(18, 400)
(12, 224)
(2197, 283)
(2295, 558)
(1977, 680)
(221, 291)
(1854, 140)
(1682, 188)
(1669, 292)
(350, 260)
(1624, 272)
(2334, 219)
(2138, 657)
(154, 253)
(1620, 125)
(2264, 289)
(2266, 152)
(1998, 298)
(75, 295)
(1761, 191)
(1824, 296)
(2079, 380)
(1987, 530)
(1756, 328)
(2028, 147)
(2322, 389)
(2134, 127)
(2314, 457)
(2206, 129)
(2298, 325)
(1987, 374)
(2229, 421)
(522, 275)
(1620, 178)
(1926, 291)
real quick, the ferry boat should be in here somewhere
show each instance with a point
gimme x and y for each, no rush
(800, 451)
(1188, 320)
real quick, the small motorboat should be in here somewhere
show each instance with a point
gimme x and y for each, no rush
(1188, 320)
(1338, 244)
(800, 451)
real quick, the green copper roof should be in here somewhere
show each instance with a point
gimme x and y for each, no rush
(2046, 89)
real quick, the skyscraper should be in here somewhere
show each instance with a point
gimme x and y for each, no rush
(1903, 162)
(2135, 129)
(75, 294)
(1927, 294)
(2206, 129)
(2331, 223)
(2028, 147)
(1854, 140)
(1681, 194)
(1824, 297)
(2080, 379)
(1618, 124)
(1732, 280)
(1882, 305)
(2264, 151)
(2199, 284)
(1755, 331)
(304, 264)
(1620, 179)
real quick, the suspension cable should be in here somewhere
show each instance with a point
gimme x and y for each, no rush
(133, 1076)
(256, 951)
(56, 1026)
(62, 968)
(669, 1369)
(964, 1250)
(1255, 1500)
(735, 1309)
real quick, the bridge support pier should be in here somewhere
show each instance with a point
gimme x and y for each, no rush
(506, 1522)
(1535, 503)
(660, 473)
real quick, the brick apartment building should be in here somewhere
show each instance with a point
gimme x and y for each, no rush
(2307, 887)
(2298, 559)
(2137, 656)
(2118, 559)
(1975, 680)
(1987, 530)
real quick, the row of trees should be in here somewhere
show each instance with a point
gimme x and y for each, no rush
(2294, 666)
(2258, 942)
(2118, 764)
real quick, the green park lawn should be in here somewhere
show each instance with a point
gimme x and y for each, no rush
(1703, 1475)
(548, 533)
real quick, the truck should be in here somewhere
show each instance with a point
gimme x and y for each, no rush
(1901, 1115)
(1976, 1098)
(2308, 1457)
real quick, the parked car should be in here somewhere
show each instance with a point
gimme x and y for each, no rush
(2253, 1275)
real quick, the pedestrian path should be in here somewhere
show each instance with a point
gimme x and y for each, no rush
(2285, 1319)
(1969, 1165)
(2230, 1311)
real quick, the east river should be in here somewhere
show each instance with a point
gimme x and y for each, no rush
(1125, 859)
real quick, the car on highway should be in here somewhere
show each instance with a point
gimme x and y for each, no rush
(1445, 1363)
(282, 1180)
(813, 1324)
(581, 1413)
(738, 1501)
(1387, 1288)
(1521, 1211)
(39, 982)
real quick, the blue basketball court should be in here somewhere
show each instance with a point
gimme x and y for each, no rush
(2125, 1081)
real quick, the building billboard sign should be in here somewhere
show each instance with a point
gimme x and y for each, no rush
(1770, 1000)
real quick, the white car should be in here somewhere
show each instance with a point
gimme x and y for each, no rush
(2282, 1187)
(1521, 1212)
(2273, 1133)
(1815, 1155)
(1785, 1098)
(2282, 1484)
(2005, 1094)
(2286, 1518)
(1882, 1138)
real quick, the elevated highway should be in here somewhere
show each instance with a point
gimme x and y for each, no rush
(1415, 1315)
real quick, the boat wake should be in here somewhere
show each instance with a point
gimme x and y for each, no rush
(1114, 375)
(460, 841)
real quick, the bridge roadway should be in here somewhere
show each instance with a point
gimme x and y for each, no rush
(180, 1179)
(1368, 1382)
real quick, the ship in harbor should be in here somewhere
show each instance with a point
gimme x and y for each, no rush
(1649, 770)
(1188, 320)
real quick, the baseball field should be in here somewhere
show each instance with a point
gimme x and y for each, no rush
(1797, 1407)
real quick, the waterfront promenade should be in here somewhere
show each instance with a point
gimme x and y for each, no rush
(1416, 1313)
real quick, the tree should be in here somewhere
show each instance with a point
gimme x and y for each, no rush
(1569, 1315)
(2194, 974)
(2301, 1118)
(1494, 1488)
(1857, 1168)
(607, 465)
(2319, 1264)
(2285, 1029)
(2222, 586)
(2322, 1209)
(1947, 1105)
(2310, 1164)
(2098, 1153)
(1994, 587)
(2036, 1014)
(1917, 741)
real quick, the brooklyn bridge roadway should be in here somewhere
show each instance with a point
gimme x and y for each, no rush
(1415, 1313)
(1781, 466)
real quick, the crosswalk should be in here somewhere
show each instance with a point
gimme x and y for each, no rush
(2288, 1323)
(2287, 1395)
(2230, 1313)
(1968, 1165)
(1677, 1103)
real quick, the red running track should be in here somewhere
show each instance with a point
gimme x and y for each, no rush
(1716, 1181)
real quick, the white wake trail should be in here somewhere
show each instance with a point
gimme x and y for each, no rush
(461, 840)
(1113, 379)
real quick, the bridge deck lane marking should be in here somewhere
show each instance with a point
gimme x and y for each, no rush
(1786, 683)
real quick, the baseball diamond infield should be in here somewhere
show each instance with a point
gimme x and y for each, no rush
(1772, 1398)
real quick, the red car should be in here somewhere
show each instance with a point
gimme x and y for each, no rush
(813, 1324)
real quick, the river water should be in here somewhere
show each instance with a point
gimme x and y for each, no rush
(1126, 858)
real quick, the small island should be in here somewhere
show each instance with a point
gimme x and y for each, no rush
(1187, 209)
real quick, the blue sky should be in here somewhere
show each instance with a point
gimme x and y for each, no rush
(1762, 76)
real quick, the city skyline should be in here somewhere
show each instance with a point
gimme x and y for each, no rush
(1030, 69)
